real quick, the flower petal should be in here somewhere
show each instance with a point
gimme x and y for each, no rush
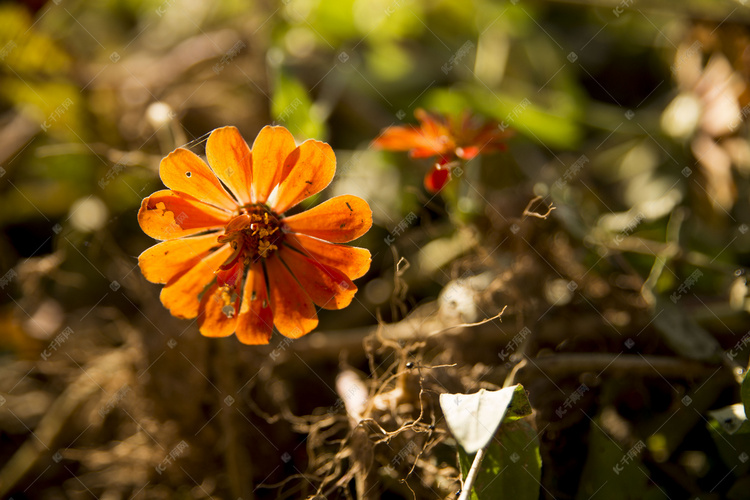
(231, 160)
(255, 323)
(328, 287)
(180, 295)
(311, 168)
(184, 171)
(337, 220)
(352, 261)
(270, 149)
(399, 138)
(293, 311)
(164, 261)
(432, 124)
(166, 215)
(218, 308)
(436, 179)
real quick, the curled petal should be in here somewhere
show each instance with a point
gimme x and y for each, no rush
(436, 179)
(255, 323)
(352, 261)
(270, 149)
(180, 295)
(166, 215)
(311, 168)
(164, 261)
(293, 311)
(338, 220)
(231, 160)
(218, 307)
(328, 287)
(184, 171)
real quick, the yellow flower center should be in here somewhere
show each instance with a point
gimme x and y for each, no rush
(253, 234)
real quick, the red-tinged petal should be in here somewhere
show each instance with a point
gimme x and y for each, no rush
(255, 323)
(270, 149)
(328, 287)
(231, 160)
(310, 169)
(232, 275)
(218, 308)
(436, 179)
(487, 139)
(184, 171)
(338, 220)
(293, 310)
(166, 215)
(352, 261)
(469, 152)
(434, 149)
(180, 295)
(164, 261)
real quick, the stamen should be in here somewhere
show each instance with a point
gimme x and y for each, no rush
(252, 234)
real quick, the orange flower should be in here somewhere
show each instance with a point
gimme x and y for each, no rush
(446, 137)
(235, 260)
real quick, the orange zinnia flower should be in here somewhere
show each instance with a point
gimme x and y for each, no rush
(446, 137)
(235, 260)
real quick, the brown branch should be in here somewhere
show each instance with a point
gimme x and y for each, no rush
(528, 213)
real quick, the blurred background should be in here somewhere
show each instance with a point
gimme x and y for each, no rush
(630, 119)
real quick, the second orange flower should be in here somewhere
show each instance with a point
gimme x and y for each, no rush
(231, 257)
(449, 138)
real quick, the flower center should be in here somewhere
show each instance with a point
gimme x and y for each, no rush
(253, 234)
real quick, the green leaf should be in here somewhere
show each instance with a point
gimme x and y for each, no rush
(512, 465)
(474, 418)
(293, 108)
(733, 449)
(611, 471)
(519, 405)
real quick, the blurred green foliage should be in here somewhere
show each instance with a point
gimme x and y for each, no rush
(93, 95)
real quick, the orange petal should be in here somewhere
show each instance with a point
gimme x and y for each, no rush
(293, 311)
(218, 308)
(231, 160)
(399, 139)
(184, 171)
(328, 287)
(311, 168)
(433, 124)
(338, 220)
(180, 295)
(164, 261)
(352, 261)
(255, 323)
(470, 152)
(272, 146)
(166, 215)
(436, 132)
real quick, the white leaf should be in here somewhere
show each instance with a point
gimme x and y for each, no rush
(474, 418)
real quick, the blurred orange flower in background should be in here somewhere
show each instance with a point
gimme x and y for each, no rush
(447, 137)
(230, 256)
